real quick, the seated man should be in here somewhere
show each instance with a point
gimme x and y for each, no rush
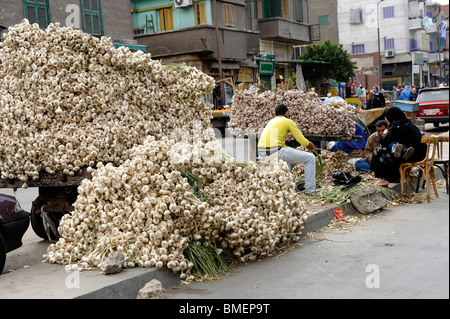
(272, 141)
(349, 146)
(363, 165)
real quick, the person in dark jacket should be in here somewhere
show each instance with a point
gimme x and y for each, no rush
(408, 138)
(376, 99)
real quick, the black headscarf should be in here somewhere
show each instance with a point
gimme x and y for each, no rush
(394, 114)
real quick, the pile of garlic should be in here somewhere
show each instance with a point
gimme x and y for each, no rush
(147, 210)
(252, 110)
(69, 100)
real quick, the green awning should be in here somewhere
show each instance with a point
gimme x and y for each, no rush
(133, 47)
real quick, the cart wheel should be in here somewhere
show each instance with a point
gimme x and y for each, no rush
(37, 223)
(2, 253)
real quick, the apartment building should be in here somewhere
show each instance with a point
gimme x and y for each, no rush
(393, 41)
(243, 34)
(97, 17)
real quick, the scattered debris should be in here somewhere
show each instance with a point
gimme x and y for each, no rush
(112, 264)
(151, 290)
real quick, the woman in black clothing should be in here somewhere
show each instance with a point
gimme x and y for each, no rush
(409, 148)
(376, 99)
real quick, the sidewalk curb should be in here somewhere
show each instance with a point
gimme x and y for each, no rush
(129, 288)
(126, 284)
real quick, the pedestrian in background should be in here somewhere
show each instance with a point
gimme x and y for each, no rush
(406, 94)
(376, 99)
(395, 94)
(414, 94)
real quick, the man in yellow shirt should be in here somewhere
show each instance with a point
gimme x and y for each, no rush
(272, 141)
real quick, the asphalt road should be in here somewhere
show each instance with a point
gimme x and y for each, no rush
(397, 253)
(34, 247)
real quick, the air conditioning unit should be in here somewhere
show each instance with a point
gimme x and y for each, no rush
(390, 54)
(182, 3)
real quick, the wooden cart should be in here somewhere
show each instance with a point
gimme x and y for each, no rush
(57, 194)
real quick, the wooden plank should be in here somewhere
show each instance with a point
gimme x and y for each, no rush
(49, 180)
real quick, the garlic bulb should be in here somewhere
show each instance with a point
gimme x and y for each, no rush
(147, 210)
(252, 109)
(69, 100)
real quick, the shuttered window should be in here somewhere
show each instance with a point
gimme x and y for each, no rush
(358, 49)
(299, 10)
(228, 15)
(389, 44)
(37, 11)
(200, 13)
(92, 17)
(388, 12)
(166, 19)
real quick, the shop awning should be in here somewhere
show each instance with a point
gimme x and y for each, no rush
(133, 47)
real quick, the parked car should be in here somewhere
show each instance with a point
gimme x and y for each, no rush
(14, 222)
(433, 105)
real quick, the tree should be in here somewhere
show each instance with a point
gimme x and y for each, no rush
(336, 63)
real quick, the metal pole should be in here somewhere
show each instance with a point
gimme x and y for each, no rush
(380, 68)
(219, 58)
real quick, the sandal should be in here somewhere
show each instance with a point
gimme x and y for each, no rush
(408, 153)
(398, 151)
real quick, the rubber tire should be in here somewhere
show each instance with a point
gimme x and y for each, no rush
(38, 225)
(2, 254)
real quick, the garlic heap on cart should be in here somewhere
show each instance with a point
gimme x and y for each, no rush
(69, 100)
(147, 210)
(252, 109)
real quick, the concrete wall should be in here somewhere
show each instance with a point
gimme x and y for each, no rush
(321, 8)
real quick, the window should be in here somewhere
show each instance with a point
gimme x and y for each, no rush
(37, 11)
(299, 10)
(388, 12)
(228, 15)
(413, 45)
(323, 21)
(166, 19)
(389, 44)
(356, 16)
(92, 17)
(275, 8)
(358, 49)
(200, 13)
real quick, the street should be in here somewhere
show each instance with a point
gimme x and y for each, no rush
(406, 247)
(397, 253)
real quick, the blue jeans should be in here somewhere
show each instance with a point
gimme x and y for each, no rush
(362, 165)
(292, 157)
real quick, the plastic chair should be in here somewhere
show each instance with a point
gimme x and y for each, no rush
(442, 159)
(426, 167)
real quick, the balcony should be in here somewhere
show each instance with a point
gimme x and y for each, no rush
(201, 40)
(284, 30)
(432, 29)
(415, 24)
